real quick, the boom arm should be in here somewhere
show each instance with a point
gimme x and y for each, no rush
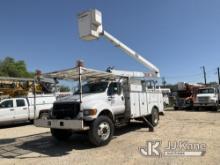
(90, 27)
(131, 53)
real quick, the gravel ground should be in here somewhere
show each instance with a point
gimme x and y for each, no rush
(26, 144)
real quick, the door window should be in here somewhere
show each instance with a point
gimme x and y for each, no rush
(20, 103)
(7, 104)
(114, 88)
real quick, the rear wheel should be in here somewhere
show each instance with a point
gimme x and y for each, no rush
(101, 131)
(154, 117)
(61, 134)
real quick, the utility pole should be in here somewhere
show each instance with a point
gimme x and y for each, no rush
(218, 76)
(204, 74)
(164, 82)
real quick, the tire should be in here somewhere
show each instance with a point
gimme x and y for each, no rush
(101, 131)
(61, 134)
(154, 117)
(43, 115)
(215, 108)
(195, 108)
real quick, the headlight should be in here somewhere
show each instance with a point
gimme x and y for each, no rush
(89, 112)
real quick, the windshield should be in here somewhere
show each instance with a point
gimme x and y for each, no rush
(184, 94)
(207, 90)
(93, 87)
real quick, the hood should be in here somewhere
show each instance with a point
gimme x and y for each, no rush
(85, 97)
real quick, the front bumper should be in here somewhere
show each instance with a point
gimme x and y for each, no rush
(77, 125)
(183, 106)
(204, 104)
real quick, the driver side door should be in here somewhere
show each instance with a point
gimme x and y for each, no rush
(116, 98)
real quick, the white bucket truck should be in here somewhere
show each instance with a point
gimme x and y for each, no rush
(104, 99)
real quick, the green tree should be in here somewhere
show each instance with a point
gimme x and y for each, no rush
(9, 67)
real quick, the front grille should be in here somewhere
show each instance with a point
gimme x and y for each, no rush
(66, 110)
(203, 99)
(180, 102)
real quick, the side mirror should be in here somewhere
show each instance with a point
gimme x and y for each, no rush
(115, 90)
(112, 91)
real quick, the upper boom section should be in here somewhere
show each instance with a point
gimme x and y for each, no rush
(90, 28)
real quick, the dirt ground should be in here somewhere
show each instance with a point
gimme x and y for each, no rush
(26, 144)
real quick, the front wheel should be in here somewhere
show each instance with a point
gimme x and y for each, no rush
(215, 108)
(44, 115)
(101, 131)
(195, 108)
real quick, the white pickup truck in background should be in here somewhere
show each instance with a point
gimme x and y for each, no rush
(17, 110)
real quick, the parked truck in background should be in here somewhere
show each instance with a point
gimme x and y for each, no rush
(166, 94)
(186, 95)
(20, 87)
(207, 97)
(104, 100)
(21, 109)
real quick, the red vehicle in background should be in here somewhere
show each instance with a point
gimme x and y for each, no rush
(186, 95)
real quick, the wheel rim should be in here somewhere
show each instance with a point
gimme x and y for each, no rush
(43, 116)
(104, 131)
(156, 117)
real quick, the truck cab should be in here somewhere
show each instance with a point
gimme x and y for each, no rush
(207, 98)
(97, 96)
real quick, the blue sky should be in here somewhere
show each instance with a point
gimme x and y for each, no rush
(178, 36)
